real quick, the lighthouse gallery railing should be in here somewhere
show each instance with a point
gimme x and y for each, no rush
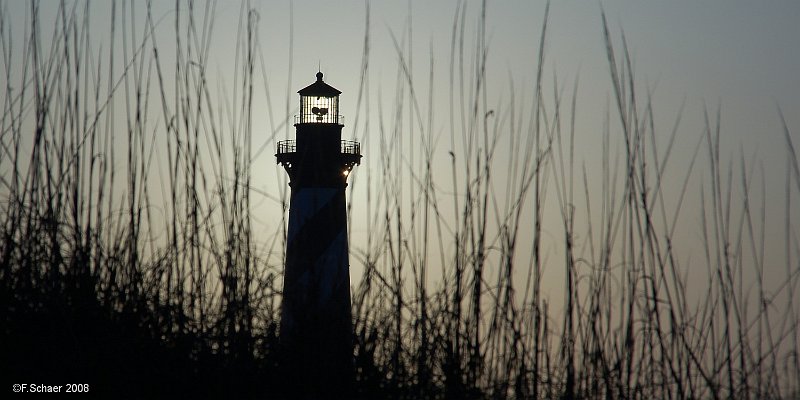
(347, 147)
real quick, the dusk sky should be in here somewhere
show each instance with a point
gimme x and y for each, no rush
(739, 57)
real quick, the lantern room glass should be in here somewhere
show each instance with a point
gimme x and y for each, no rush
(319, 109)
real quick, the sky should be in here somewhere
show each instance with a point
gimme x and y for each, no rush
(739, 57)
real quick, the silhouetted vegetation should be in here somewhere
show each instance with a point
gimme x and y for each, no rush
(128, 259)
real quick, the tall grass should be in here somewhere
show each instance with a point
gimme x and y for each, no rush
(128, 257)
(127, 231)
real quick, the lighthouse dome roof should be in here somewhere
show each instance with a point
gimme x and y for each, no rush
(319, 88)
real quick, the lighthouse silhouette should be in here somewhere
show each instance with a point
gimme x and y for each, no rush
(316, 326)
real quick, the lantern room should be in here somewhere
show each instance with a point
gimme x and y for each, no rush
(319, 103)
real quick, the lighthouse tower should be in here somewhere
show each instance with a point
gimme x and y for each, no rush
(316, 326)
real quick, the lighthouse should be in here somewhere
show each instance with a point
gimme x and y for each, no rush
(316, 325)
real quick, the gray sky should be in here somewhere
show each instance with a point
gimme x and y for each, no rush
(742, 57)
